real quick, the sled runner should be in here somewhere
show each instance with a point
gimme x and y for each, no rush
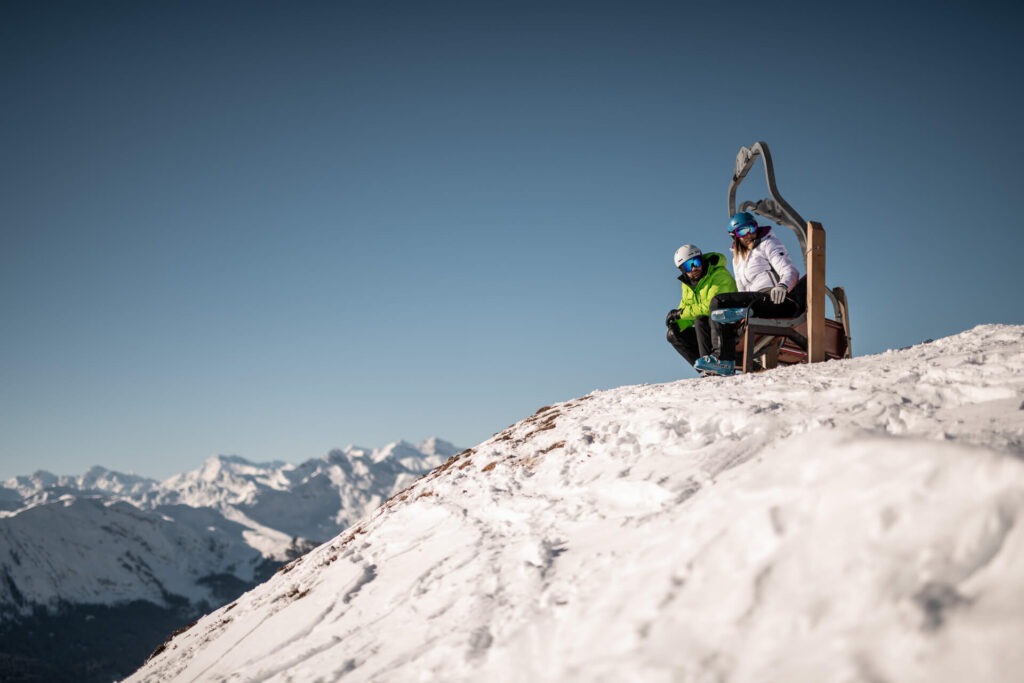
(810, 337)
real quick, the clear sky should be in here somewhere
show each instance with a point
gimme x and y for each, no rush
(272, 229)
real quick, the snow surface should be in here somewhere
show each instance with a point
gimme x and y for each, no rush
(857, 520)
(108, 538)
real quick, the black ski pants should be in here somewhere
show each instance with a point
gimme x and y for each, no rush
(723, 335)
(694, 341)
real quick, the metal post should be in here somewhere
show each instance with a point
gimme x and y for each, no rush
(815, 292)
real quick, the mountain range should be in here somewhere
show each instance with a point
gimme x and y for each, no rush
(109, 546)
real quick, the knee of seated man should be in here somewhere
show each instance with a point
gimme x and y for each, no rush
(675, 335)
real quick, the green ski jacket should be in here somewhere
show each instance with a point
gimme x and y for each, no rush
(697, 299)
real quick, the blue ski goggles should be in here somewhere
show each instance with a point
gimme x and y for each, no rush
(744, 230)
(690, 265)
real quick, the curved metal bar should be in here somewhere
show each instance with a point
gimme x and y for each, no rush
(776, 208)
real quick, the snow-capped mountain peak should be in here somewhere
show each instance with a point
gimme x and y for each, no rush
(248, 512)
(28, 485)
(438, 447)
(108, 481)
(42, 486)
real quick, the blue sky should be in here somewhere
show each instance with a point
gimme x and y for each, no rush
(271, 229)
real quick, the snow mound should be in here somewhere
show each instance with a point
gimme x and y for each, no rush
(858, 520)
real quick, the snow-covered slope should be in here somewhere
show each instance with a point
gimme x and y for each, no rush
(851, 521)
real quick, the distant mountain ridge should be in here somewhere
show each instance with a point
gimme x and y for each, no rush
(43, 486)
(187, 544)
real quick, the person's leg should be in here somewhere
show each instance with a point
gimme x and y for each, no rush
(759, 303)
(685, 342)
(735, 299)
(723, 335)
(764, 308)
(723, 340)
(702, 328)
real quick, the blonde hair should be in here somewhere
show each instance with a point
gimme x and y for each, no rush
(739, 251)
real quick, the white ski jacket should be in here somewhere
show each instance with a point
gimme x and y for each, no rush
(765, 266)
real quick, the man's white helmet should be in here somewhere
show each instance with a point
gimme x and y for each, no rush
(685, 253)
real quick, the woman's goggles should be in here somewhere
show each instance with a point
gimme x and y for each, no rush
(692, 264)
(744, 230)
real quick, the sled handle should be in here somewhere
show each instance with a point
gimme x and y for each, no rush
(775, 208)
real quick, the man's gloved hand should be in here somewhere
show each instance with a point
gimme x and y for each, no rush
(778, 294)
(672, 316)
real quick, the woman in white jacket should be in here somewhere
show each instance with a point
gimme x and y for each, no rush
(765, 278)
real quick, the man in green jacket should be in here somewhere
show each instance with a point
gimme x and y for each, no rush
(703, 276)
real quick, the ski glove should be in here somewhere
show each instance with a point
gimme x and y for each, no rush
(778, 294)
(673, 316)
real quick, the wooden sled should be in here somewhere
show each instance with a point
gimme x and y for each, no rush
(765, 343)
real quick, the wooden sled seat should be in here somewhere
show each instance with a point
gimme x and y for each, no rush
(784, 340)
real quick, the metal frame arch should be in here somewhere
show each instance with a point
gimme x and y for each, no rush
(774, 207)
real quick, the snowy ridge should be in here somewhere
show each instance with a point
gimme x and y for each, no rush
(42, 486)
(315, 499)
(851, 521)
(87, 550)
(110, 538)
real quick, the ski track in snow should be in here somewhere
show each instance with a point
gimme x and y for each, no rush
(848, 521)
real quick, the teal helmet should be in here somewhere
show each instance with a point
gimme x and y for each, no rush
(740, 220)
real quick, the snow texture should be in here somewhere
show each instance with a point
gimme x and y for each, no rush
(111, 538)
(857, 520)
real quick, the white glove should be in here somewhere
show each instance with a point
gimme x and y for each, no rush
(778, 294)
